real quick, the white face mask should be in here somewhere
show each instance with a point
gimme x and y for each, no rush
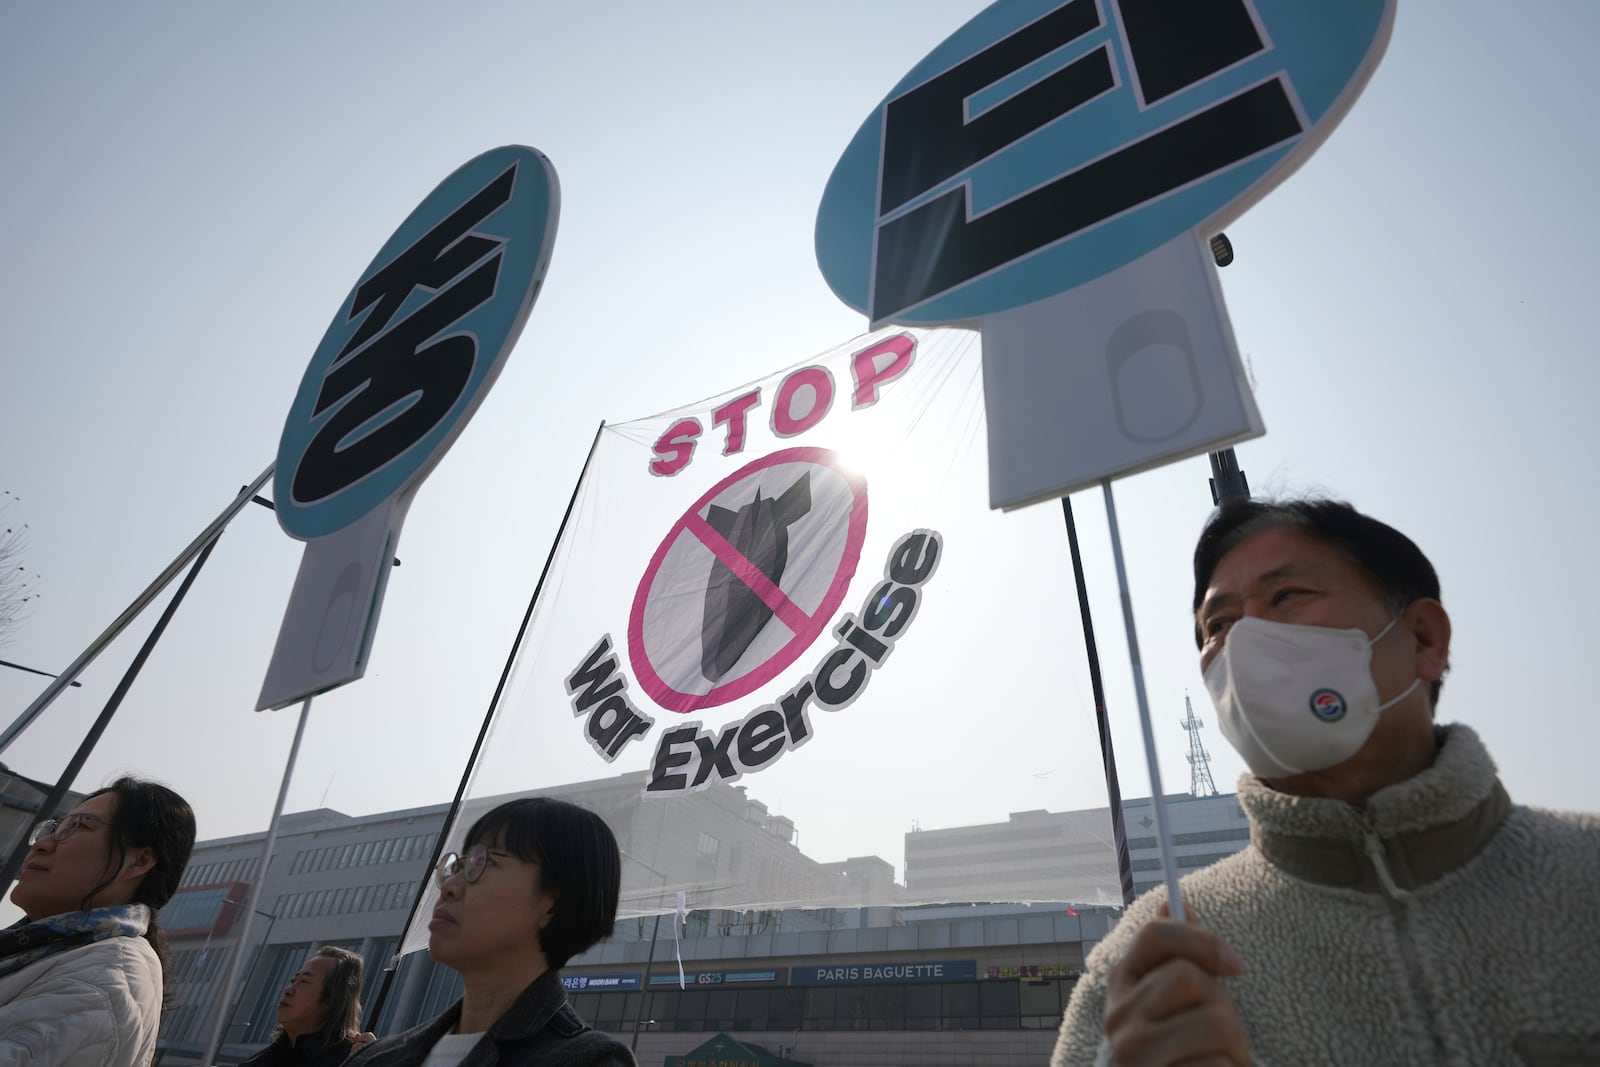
(1294, 698)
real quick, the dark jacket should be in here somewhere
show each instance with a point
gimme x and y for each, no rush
(308, 1051)
(539, 1030)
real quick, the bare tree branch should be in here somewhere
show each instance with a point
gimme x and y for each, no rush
(19, 587)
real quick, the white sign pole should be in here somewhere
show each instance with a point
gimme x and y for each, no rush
(1157, 797)
(1133, 370)
(224, 1006)
(1050, 171)
(385, 396)
(98, 645)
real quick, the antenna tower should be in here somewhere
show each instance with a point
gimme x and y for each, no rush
(1200, 783)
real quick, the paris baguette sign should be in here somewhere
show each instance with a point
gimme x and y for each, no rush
(409, 357)
(1050, 172)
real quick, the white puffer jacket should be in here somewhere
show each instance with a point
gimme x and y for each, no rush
(95, 1006)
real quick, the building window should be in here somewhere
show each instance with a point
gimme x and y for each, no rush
(209, 967)
(376, 960)
(819, 1009)
(193, 909)
(1237, 833)
(1000, 1005)
(1202, 861)
(444, 988)
(1041, 1002)
(922, 1007)
(706, 851)
(960, 1007)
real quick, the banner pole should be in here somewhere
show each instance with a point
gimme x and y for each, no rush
(223, 1001)
(1157, 797)
(393, 963)
(13, 862)
(1119, 832)
(1227, 480)
(644, 985)
(142, 601)
(1228, 485)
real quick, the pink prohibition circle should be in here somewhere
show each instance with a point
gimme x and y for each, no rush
(674, 700)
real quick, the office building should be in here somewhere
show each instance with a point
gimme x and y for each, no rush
(979, 978)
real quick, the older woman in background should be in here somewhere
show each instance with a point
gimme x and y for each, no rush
(319, 1014)
(82, 974)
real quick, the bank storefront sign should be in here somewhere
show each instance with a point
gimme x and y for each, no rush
(596, 983)
(875, 973)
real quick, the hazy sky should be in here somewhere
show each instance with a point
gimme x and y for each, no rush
(191, 189)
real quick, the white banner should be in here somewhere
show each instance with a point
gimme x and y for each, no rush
(783, 631)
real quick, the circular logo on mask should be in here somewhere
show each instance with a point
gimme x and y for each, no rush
(1327, 705)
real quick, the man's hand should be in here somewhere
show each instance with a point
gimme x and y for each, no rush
(1165, 1003)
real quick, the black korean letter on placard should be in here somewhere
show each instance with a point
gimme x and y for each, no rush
(926, 137)
(400, 376)
(1176, 43)
(934, 248)
(437, 257)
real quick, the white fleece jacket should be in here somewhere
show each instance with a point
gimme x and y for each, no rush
(95, 1006)
(1442, 925)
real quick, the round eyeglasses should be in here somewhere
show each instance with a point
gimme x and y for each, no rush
(469, 867)
(63, 828)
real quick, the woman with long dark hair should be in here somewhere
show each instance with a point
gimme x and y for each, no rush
(82, 974)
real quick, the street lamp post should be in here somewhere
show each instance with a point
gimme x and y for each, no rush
(644, 980)
(261, 949)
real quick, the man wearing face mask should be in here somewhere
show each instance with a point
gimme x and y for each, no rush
(1394, 905)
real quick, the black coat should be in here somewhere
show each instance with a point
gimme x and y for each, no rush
(308, 1051)
(539, 1030)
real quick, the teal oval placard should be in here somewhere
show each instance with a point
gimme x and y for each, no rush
(418, 342)
(1044, 144)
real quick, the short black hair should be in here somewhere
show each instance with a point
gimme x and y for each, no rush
(1391, 559)
(579, 864)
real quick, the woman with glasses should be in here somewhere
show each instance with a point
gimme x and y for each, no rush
(536, 885)
(82, 974)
